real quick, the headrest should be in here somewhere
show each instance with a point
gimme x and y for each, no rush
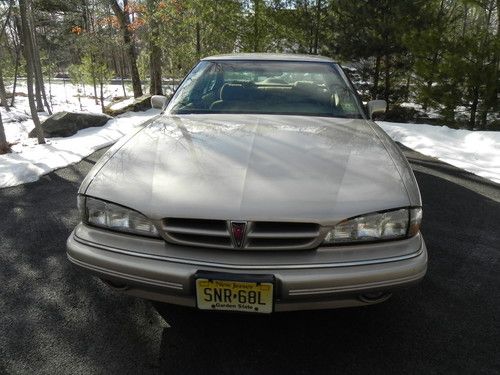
(233, 91)
(311, 90)
(306, 86)
(276, 80)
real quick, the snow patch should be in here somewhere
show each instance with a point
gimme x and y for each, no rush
(475, 151)
(122, 104)
(14, 115)
(30, 160)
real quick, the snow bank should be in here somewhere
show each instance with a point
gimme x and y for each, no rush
(30, 160)
(14, 115)
(122, 104)
(475, 151)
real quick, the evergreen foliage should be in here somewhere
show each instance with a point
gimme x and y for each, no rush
(440, 54)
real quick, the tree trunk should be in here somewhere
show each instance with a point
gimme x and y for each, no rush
(198, 40)
(407, 88)
(122, 73)
(473, 108)
(492, 90)
(309, 26)
(387, 85)
(37, 64)
(256, 15)
(3, 94)
(87, 18)
(33, 61)
(38, 93)
(155, 55)
(16, 42)
(318, 20)
(483, 118)
(155, 87)
(376, 77)
(4, 146)
(123, 85)
(101, 85)
(65, 91)
(28, 55)
(430, 80)
(124, 22)
(38, 86)
(116, 66)
(50, 89)
(80, 100)
(14, 85)
(94, 81)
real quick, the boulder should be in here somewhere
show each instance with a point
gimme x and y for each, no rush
(142, 103)
(65, 124)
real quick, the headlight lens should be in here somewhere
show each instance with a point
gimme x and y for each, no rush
(389, 225)
(108, 215)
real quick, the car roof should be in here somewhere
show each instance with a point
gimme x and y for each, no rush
(270, 57)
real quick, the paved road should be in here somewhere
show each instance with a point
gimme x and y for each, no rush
(57, 320)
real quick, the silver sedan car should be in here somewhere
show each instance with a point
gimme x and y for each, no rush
(263, 186)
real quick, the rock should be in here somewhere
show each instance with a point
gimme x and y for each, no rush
(65, 124)
(398, 113)
(142, 103)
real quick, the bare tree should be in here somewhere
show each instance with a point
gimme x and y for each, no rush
(256, 26)
(28, 56)
(317, 26)
(123, 18)
(14, 31)
(3, 94)
(4, 146)
(37, 65)
(155, 55)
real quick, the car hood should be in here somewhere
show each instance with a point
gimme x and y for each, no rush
(252, 167)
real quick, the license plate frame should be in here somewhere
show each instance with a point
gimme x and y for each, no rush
(261, 281)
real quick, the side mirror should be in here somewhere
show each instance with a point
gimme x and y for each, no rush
(158, 101)
(376, 106)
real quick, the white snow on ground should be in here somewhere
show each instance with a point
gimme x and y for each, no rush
(432, 113)
(122, 104)
(475, 151)
(29, 160)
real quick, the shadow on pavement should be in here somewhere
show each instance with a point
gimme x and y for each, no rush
(54, 318)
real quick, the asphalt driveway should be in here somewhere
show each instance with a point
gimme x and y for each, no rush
(57, 320)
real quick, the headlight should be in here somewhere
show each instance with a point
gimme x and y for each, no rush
(111, 216)
(388, 225)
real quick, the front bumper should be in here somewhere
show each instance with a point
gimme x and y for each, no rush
(309, 284)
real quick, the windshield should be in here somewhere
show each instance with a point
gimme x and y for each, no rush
(266, 87)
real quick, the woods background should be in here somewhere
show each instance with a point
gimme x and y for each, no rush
(423, 57)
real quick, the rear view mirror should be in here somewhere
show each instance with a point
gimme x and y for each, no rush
(158, 101)
(376, 106)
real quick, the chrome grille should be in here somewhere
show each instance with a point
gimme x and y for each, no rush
(259, 235)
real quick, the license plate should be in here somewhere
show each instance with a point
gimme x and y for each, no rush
(234, 295)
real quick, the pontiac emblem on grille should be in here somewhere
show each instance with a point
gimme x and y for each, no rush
(238, 232)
